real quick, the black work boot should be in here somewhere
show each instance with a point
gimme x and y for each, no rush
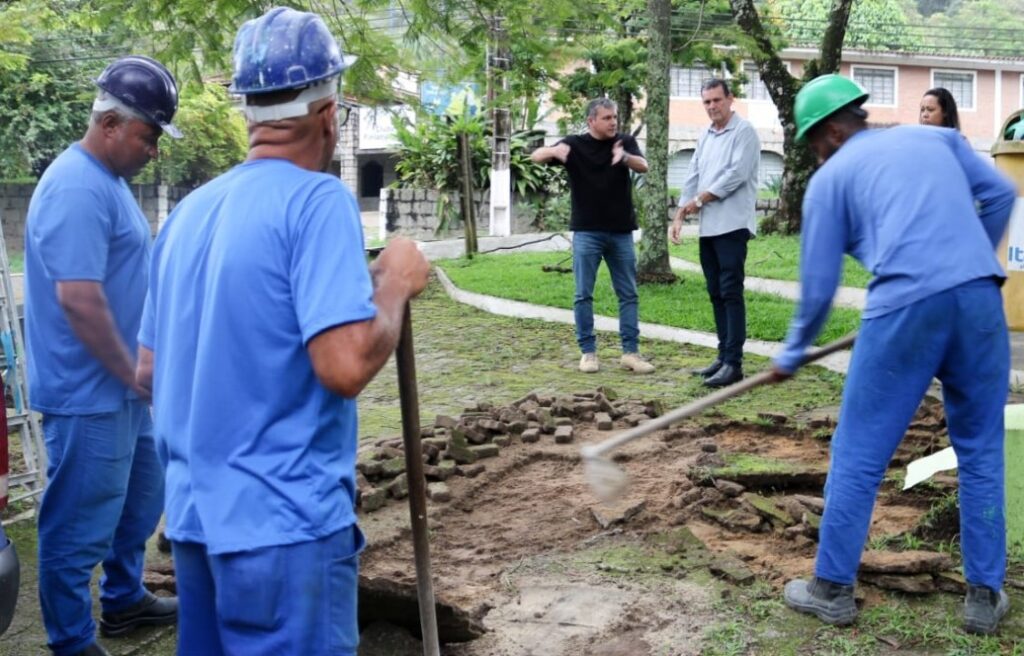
(726, 375)
(709, 370)
(983, 608)
(95, 649)
(152, 610)
(829, 602)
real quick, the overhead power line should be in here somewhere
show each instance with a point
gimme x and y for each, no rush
(891, 36)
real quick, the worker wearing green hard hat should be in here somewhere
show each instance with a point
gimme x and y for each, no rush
(933, 310)
(822, 97)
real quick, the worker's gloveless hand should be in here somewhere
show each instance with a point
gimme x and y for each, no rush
(779, 375)
(403, 263)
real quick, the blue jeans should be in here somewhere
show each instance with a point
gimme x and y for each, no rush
(292, 599)
(959, 336)
(616, 248)
(102, 502)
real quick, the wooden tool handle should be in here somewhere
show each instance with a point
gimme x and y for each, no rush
(705, 402)
(409, 401)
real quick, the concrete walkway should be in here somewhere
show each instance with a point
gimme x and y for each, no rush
(845, 296)
(836, 362)
(850, 297)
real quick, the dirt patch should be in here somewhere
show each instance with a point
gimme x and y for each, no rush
(521, 548)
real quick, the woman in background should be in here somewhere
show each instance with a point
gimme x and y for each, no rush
(939, 108)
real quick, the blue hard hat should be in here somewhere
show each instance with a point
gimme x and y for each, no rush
(284, 49)
(144, 85)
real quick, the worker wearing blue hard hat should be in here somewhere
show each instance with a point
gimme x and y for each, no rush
(87, 249)
(262, 324)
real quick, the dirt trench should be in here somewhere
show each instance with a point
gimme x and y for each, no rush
(524, 547)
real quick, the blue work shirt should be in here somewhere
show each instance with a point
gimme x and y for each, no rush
(902, 201)
(246, 271)
(83, 225)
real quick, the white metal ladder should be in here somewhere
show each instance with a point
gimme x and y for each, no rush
(22, 424)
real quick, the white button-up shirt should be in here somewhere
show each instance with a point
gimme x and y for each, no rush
(725, 164)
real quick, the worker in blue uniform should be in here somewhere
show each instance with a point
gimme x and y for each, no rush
(924, 214)
(262, 324)
(87, 249)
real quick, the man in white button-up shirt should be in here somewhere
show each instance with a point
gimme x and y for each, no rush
(721, 187)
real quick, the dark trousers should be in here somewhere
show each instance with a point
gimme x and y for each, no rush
(722, 257)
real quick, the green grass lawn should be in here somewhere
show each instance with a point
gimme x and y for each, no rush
(683, 305)
(776, 257)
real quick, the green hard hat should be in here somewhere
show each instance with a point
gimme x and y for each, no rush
(821, 97)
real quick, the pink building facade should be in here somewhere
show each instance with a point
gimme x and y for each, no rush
(987, 90)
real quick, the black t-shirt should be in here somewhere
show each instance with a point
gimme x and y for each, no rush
(602, 197)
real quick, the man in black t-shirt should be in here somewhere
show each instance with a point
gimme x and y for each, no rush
(603, 221)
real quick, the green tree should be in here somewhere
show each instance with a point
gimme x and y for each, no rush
(47, 89)
(764, 46)
(17, 21)
(214, 139)
(616, 68)
(428, 158)
(873, 24)
(653, 263)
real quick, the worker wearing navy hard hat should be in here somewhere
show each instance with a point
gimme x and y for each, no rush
(87, 249)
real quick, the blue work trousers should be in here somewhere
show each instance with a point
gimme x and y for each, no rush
(294, 599)
(960, 337)
(102, 502)
(616, 249)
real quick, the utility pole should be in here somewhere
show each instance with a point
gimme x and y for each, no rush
(498, 65)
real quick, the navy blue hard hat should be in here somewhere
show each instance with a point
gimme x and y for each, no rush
(144, 85)
(284, 49)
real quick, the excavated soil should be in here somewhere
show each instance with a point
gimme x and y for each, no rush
(511, 547)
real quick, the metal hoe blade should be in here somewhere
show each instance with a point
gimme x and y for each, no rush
(608, 481)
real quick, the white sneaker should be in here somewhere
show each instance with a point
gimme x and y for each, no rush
(634, 362)
(589, 363)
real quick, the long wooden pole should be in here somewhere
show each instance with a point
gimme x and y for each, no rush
(409, 400)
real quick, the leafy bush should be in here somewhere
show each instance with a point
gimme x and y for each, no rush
(46, 104)
(549, 211)
(215, 139)
(428, 158)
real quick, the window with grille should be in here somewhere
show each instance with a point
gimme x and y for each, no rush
(958, 83)
(879, 82)
(754, 89)
(686, 82)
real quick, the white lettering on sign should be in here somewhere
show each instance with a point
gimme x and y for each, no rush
(1015, 238)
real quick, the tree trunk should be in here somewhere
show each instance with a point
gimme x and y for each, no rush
(624, 102)
(653, 264)
(798, 161)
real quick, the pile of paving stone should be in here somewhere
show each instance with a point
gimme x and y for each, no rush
(797, 518)
(732, 505)
(455, 446)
